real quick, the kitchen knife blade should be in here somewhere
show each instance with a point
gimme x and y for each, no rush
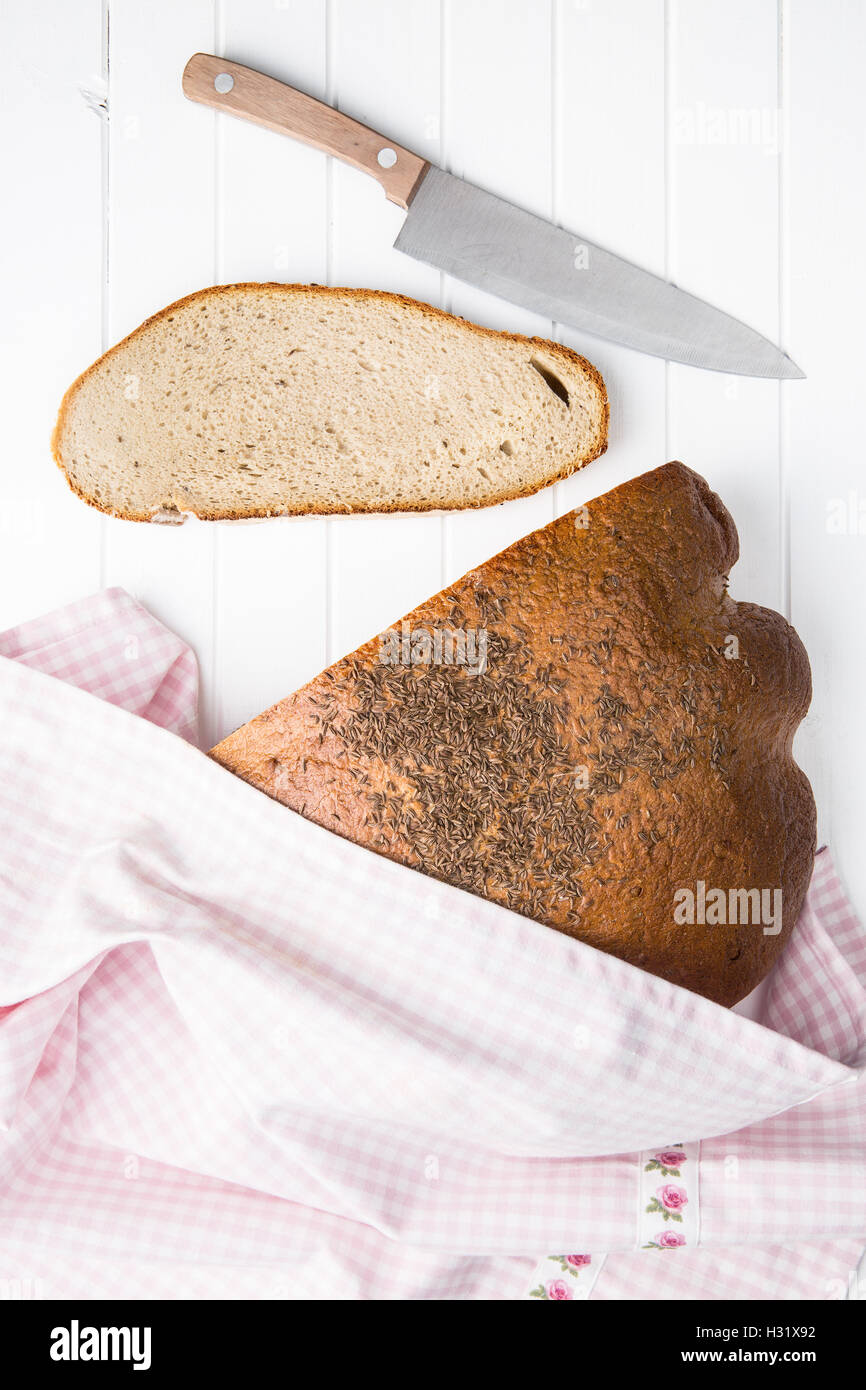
(501, 248)
(496, 246)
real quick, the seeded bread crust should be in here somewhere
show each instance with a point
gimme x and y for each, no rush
(572, 362)
(610, 753)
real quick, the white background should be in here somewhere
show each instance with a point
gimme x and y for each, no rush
(720, 142)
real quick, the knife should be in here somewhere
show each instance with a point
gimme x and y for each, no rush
(495, 245)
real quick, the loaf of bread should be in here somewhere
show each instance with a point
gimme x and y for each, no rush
(266, 400)
(607, 750)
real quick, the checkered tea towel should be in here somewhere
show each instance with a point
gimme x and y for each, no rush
(241, 1057)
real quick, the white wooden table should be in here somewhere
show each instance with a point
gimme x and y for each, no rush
(720, 142)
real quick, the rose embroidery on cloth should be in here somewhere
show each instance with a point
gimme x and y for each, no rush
(556, 1289)
(572, 1264)
(666, 1240)
(669, 1201)
(667, 1162)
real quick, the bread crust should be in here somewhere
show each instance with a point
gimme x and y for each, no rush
(610, 649)
(556, 350)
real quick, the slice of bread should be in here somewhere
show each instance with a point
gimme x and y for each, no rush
(280, 400)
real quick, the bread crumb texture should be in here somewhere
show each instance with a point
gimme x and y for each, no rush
(628, 737)
(264, 400)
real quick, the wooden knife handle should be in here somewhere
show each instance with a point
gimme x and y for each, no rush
(270, 103)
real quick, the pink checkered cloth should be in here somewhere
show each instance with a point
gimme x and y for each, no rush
(241, 1057)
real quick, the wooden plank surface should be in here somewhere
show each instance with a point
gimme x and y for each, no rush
(161, 209)
(723, 161)
(720, 143)
(54, 144)
(822, 248)
(271, 584)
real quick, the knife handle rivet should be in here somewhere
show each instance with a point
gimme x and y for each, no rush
(387, 158)
(223, 82)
